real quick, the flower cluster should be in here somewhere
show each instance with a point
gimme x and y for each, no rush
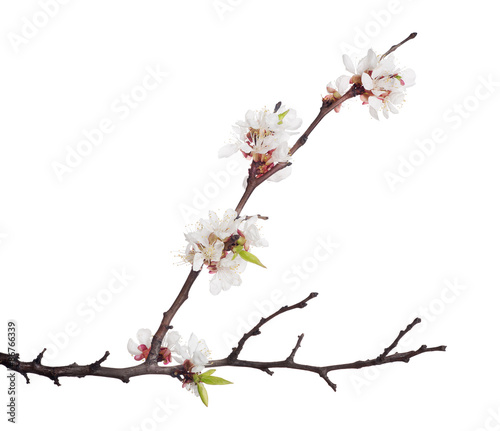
(383, 82)
(263, 139)
(193, 357)
(223, 245)
(140, 350)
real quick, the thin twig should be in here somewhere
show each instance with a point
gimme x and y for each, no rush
(256, 329)
(394, 47)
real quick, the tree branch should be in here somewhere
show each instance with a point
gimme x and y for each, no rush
(151, 366)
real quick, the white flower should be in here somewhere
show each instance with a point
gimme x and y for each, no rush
(228, 274)
(224, 227)
(194, 357)
(385, 84)
(263, 137)
(170, 344)
(203, 251)
(206, 244)
(144, 344)
(223, 247)
(252, 234)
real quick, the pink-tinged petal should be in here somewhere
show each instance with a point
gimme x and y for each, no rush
(377, 71)
(142, 347)
(349, 65)
(144, 337)
(409, 77)
(139, 357)
(198, 261)
(366, 81)
(373, 113)
(375, 102)
(132, 347)
(330, 88)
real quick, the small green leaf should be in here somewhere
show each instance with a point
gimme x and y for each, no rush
(213, 380)
(207, 373)
(249, 257)
(237, 250)
(203, 393)
(282, 115)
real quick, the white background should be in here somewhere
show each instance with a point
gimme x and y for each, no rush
(123, 208)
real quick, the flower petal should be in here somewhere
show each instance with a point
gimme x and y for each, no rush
(281, 175)
(228, 150)
(342, 84)
(132, 347)
(373, 113)
(349, 65)
(375, 102)
(144, 337)
(198, 261)
(367, 81)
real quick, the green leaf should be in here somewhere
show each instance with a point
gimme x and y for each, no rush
(283, 115)
(249, 257)
(203, 393)
(207, 373)
(237, 250)
(213, 380)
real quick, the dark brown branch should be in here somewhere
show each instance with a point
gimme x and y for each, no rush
(232, 360)
(151, 366)
(168, 316)
(398, 338)
(260, 217)
(327, 107)
(256, 329)
(291, 358)
(394, 47)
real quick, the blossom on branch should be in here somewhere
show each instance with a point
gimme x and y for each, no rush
(384, 83)
(141, 350)
(263, 138)
(224, 248)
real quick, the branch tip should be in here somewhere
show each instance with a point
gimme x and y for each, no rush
(38, 359)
